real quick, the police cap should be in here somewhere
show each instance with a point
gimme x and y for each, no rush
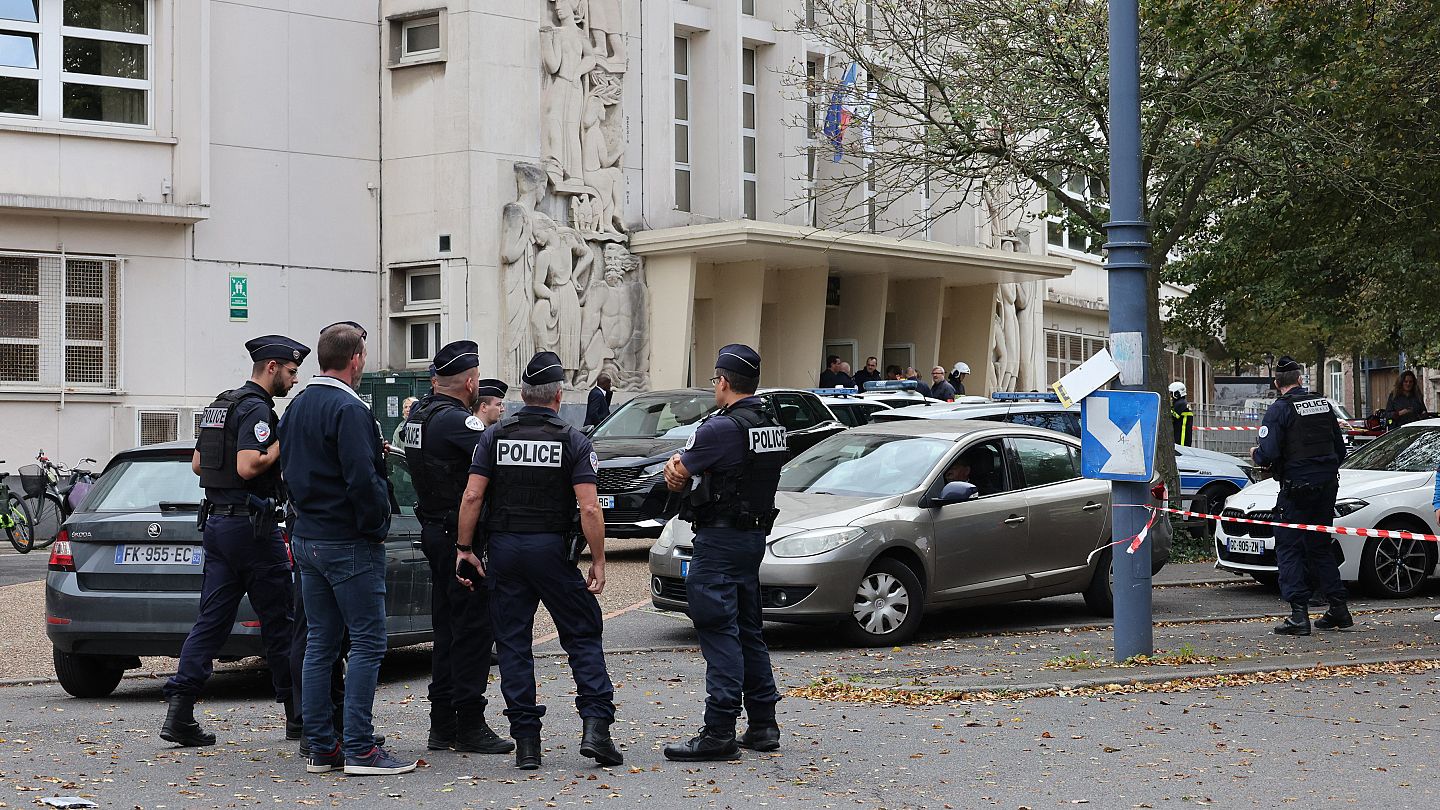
(1286, 363)
(739, 358)
(276, 347)
(491, 388)
(544, 368)
(453, 358)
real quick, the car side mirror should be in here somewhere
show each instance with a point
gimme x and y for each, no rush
(956, 492)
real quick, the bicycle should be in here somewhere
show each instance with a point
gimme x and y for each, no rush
(49, 500)
(15, 517)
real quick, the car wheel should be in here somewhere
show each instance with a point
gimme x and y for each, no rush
(1099, 595)
(1215, 497)
(1395, 569)
(889, 602)
(87, 676)
(1269, 579)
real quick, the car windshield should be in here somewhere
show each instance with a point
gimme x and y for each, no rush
(863, 465)
(1413, 449)
(142, 484)
(652, 417)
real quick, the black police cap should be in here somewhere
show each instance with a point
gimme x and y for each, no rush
(491, 388)
(1286, 363)
(453, 358)
(276, 347)
(544, 368)
(739, 358)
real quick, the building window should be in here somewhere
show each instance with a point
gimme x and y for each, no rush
(76, 60)
(422, 339)
(747, 7)
(867, 163)
(1065, 351)
(422, 287)
(1090, 192)
(749, 179)
(59, 322)
(682, 123)
(420, 38)
(1335, 380)
(814, 124)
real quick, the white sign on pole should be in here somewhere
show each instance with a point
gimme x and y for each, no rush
(1088, 378)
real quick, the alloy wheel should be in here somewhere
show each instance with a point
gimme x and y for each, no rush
(1400, 565)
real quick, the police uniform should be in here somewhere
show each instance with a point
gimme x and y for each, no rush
(244, 551)
(735, 456)
(439, 439)
(532, 462)
(1300, 441)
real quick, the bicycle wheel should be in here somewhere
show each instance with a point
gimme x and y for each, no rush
(18, 525)
(46, 516)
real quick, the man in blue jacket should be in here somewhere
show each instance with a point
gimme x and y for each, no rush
(597, 405)
(334, 463)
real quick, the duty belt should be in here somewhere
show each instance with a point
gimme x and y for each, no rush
(231, 510)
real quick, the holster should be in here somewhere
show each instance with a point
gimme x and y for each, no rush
(203, 515)
(574, 542)
(265, 515)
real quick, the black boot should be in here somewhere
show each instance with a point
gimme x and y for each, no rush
(473, 734)
(180, 726)
(1298, 622)
(708, 745)
(761, 737)
(442, 727)
(1336, 618)
(527, 753)
(595, 743)
(294, 725)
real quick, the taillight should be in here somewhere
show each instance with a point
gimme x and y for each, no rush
(60, 557)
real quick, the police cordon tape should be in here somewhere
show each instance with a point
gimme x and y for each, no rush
(1228, 427)
(1135, 541)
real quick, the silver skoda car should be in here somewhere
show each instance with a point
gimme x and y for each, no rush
(883, 521)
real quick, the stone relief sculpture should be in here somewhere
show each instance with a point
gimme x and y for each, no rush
(569, 283)
(1015, 338)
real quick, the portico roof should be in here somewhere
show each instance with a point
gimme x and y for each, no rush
(846, 253)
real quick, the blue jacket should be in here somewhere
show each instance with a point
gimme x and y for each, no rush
(1436, 502)
(1278, 419)
(334, 464)
(597, 406)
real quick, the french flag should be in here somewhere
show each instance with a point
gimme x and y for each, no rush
(837, 118)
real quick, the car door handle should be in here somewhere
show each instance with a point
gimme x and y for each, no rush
(1092, 506)
(417, 543)
(1013, 520)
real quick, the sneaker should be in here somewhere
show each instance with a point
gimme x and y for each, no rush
(377, 763)
(325, 763)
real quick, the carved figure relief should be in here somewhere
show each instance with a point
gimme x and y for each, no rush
(569, 283)
(1015, 338)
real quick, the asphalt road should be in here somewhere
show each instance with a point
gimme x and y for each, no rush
(16, 567)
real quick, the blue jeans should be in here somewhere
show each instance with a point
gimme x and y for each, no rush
(343, 584)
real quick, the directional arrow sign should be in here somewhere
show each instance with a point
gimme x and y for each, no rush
(1118, 431)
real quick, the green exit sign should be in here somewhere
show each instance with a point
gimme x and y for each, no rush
(239, 297)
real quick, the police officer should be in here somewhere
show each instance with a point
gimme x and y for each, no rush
(490, 401)
(736, 455)
(235, 458)
(1300, 441)
(1182, 417)
(439, 439)
(536, 476)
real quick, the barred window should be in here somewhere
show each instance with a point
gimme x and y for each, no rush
(156, 427)
(1065, 351)
(59, 322)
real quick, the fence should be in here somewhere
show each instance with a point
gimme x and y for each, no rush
(1239, 436)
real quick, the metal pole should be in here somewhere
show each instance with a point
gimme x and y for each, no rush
(1127, 265)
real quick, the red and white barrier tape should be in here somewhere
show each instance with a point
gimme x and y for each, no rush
(1227, 427)
(1396, 534)
(1134, 542)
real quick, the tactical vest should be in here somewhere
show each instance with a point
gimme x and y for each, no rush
(530, 490)
(219, 437)
(744, 497)
(1312, 434)
(439, 481)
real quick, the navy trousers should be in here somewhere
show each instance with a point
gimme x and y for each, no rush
(237, 565)
(525, 570)
(1306, 557)
(723, 591)
(460, 658)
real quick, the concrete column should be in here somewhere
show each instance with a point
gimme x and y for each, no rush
(967, 331)
(793, 357)
(919, 305)
(671, 280)
(739, 296)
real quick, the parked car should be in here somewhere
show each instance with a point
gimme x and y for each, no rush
(1205, 473)
(851, 411)
(901, 393)
(126, 569)
(634, 442)
(1387, 484)
(871, 534)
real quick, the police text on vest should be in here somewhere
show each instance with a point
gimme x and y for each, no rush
(1311, 407)
(410, 435)
(520, 453)
(767, 440)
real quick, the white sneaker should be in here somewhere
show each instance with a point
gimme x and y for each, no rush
(1437, 617)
